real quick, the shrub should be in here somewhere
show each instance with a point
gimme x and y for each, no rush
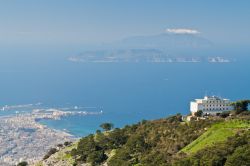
(96, 157)
(23, 163)
(241, 156)
(67, 143)
(50, 152)
(225, 114)
(198, 113)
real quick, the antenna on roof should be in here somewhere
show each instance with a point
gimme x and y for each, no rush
(219, 95)
(212, 93)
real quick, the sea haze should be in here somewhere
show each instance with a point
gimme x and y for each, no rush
(125, 92)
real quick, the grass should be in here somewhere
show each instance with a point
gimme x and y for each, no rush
(111, 154)
(217, 133)
(40, 163)
(63, 154)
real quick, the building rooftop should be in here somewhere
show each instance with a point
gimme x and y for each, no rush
(211, 98)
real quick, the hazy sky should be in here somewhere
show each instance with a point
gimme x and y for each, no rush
(89, 21)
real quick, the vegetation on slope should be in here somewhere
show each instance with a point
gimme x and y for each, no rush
(234, 151)
(146, 143)
(168, 141)
(61, 155)
(217, 133)
(216, 141)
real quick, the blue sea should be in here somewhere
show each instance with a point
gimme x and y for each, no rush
(125, 92)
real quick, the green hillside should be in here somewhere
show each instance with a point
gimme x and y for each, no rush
(219, 132)
(234, 151)
(169, 141)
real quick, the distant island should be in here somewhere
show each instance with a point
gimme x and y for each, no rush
(217, 139)
(142, 55)
(168, 47)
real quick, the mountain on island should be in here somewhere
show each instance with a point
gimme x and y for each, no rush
(165, 41)
(162, 48)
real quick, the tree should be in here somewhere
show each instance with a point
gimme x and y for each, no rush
(241, 105)
(107, 126)
(96, 157)
(73, 152)
(98, 132)
(86, 146)
(198, 113)
(23, 163)
(137, 143)
(122, 158)
(143, 121)
(241, 156)
(117, 138)
(175, 118)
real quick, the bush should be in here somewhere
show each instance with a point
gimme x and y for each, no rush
(241, 156)
(121, 158)
(67, 143)
(234, 151)
(60, 145)
(96, 157)
(51, 151)
(225, 114)
(23, 163)
(198, 113)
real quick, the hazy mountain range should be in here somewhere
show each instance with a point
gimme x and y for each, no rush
(166, 47)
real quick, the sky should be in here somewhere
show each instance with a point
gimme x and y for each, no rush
(62, 22)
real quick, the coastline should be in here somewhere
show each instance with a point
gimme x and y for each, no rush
(24, 138)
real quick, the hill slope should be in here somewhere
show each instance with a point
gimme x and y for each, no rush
(217, 133)
(168, 141)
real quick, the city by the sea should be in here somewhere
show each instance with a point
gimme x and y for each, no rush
(125, 93)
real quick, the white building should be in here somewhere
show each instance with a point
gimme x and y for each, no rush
(210, 105)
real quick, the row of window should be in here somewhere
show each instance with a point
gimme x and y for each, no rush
(216, 105)
(218, 101)
(210, 109)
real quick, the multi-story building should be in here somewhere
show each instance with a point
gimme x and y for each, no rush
(210, 105)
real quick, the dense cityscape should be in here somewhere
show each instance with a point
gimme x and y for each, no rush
(24, 138)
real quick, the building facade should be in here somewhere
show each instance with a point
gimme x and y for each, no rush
(210, 105)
